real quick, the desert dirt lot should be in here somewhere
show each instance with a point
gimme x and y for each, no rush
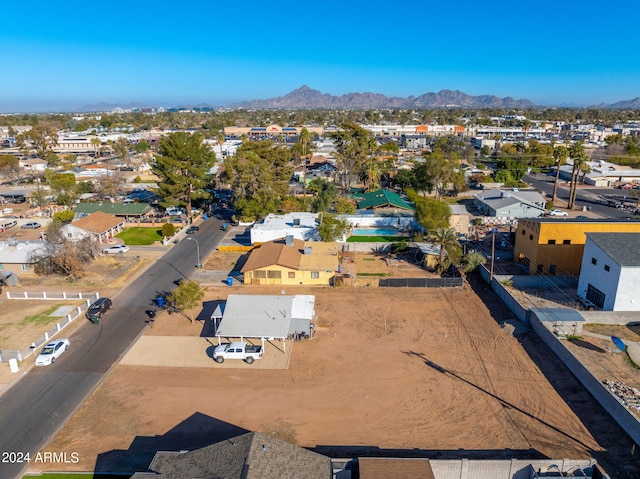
(410, 370)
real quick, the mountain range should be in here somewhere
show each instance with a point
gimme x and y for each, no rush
(308, 98)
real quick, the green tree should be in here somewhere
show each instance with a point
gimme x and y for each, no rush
(40, 139)
(64, 217)
(121, 148)
(182, 163)
(186, 296)
(560, 155)
(305, 140)
(430, 213)
(344, 206)
(354, 146)
(325, 194)
(141, 146)
(9, 166)
(331, 228)
(168, 230)
(579, 158)
(259, 175)
(471, 261)
(447, 240)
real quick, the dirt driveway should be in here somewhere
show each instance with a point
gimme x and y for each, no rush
(396, 369)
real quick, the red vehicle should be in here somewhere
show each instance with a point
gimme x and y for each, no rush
(626, 186)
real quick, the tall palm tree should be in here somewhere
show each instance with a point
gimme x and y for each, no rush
(305, 139)
(446, 239)
(579, 157)
(560, 155)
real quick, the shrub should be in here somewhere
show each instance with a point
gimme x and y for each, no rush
(168, 229)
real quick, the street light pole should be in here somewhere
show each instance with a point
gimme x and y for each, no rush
(198, 265)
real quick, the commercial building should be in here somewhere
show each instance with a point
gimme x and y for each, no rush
(555, 246)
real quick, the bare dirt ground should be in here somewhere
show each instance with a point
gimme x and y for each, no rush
(410, 371)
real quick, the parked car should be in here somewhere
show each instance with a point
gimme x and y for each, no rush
(32, 225)
(98, 308)
(191, 230)
(115, 249)
(52, 351)
(558, 213)
(8, 224)
(626, 186)
(237, 350)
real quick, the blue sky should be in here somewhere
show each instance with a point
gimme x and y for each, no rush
(63, 55)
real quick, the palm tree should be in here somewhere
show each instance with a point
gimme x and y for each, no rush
(305, 139)
(579, 157)
(560, 155)
(446, 239)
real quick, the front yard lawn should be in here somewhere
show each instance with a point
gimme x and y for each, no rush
(138, 235)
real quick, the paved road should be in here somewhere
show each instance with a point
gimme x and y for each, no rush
(38, 405)
(594, 198)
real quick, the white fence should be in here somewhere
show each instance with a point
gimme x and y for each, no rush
(20, 355)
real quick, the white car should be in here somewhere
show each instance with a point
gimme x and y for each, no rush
(558, 213)
(118, 248)
(52, 351)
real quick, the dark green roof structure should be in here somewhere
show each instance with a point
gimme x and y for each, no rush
(116, 209)
(383, 199)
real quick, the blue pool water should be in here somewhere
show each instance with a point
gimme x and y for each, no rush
(374, 232)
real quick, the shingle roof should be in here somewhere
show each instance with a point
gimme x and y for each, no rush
(382, 198)
(383, 468)
(118, 209)
(275, 253)
(623, 248)
(250, 456)
(98, 222)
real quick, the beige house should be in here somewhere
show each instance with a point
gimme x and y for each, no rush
(98, 226)
(292, 261)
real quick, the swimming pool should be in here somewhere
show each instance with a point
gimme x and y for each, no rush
(375, 232)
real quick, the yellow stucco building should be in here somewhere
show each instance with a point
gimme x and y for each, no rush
(555, 246)
(276, 262)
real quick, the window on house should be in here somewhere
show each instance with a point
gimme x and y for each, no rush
(606, 267)
(530, 237)
(551, 242)
(539, 269)
(259, 274)
(25, 267)
(566, 241)
(273, 274)
(315, 274)
(552, 269)
(594, 261)
(292, 274)
(523, 232)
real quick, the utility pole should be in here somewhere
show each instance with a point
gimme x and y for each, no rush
(493, 253)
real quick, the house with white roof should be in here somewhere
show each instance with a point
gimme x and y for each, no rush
(265, 317)
(299, 225)
(20, 256)
(603, 173)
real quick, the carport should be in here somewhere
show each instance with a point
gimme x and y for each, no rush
(265, 317)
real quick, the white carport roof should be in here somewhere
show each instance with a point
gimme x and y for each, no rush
(262, 316)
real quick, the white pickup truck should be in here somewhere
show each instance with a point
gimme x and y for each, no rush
(238, 350)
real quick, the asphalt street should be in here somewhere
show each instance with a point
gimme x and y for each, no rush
(35, 408)
(591, 197)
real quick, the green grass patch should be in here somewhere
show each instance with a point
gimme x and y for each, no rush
(138, 235)
(42, 318)
(375, 239)
(371, 274)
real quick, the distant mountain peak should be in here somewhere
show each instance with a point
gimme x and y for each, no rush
(307, 97)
